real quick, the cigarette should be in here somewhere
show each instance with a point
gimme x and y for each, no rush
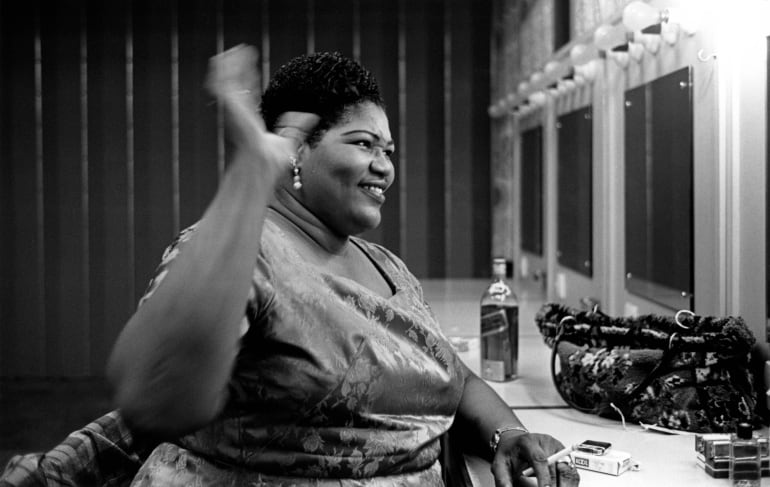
(551, 460)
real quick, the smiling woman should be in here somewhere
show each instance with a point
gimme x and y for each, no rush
(346, 173)
(275, 346)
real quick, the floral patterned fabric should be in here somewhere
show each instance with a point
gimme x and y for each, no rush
(333, 385)
(699, 378)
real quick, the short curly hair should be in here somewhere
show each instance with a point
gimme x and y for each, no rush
(324, 83)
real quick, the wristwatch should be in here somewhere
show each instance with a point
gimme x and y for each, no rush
(499, 432)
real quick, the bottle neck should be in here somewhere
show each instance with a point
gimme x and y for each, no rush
(498, 270)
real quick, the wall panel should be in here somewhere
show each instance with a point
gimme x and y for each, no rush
(198, 129)
(22, 334)
(288, 30)
(424, 182)
(6, 186)
(333, 26)
(153, 165)
(468, 203)
(379, 40)
(109, 144)
(110, 217)
(241, 22)
(64, 173)
(478, 125)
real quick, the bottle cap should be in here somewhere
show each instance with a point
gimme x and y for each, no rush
(744, 431)
(498, 266)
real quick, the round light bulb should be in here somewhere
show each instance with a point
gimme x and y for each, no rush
(551, 68)
(586, 72)
(582, 53)
(522, 88)
(566, 85)
(536, 79)
(607, 37)
(538, 98)
(639, 15)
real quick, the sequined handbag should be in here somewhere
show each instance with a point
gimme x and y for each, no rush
(684, 372)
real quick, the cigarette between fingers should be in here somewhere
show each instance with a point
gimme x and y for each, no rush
(551, 460)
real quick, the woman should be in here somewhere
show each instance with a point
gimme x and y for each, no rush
(274, 347)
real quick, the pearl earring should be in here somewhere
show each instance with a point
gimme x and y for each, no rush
(295, 173)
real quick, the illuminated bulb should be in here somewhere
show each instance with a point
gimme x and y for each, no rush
(565, 86)
(536, 79)
(586, 72)
(689, 18)
(582, 53)
(554, 89)
(537, 99)
(640, 42)
(607, 37)
(552, 69)
(670, 33)
(611, 37)
(639, 15)
(522, 88)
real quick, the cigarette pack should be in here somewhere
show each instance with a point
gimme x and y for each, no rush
(613, 462)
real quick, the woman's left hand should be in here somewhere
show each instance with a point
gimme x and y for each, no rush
(517, 452)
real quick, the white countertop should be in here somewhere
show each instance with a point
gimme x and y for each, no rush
(665, 460)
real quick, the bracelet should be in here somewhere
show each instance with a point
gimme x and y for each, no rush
(499, 432)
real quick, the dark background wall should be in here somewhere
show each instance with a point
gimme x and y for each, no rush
(109, 145)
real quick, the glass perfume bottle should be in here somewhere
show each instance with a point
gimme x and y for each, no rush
(499, 327)
(745, 458)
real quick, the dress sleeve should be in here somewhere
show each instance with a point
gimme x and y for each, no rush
(171, 252)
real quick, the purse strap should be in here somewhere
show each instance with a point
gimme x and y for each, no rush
(624, 401)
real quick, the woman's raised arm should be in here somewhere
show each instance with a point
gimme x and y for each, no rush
(172, 361)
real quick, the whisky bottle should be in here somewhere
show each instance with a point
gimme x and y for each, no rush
(499, 328)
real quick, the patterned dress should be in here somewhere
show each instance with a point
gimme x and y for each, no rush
(333, 384)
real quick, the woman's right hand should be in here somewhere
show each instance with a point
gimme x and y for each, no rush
(234, 80)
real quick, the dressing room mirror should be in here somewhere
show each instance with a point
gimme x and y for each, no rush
(575, 190)
(659, 190)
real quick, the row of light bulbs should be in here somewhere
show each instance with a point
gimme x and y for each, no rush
(643, 28)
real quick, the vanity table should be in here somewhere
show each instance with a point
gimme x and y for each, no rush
(664, 460)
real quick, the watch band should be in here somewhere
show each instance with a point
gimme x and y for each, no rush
(499, 432)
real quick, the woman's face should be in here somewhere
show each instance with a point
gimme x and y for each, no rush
(345, 176)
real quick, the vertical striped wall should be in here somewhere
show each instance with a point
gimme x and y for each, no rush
(109, 145)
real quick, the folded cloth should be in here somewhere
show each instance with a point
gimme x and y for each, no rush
(103, 453)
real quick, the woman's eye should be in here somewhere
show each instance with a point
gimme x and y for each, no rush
(364, 143)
